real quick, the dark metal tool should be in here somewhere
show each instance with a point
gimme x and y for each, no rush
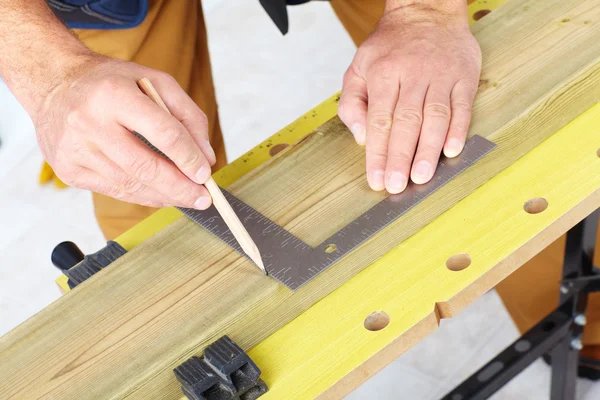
(293, 262)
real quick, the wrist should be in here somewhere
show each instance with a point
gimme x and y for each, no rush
(37, 51)
(429, 11)
(59, 67)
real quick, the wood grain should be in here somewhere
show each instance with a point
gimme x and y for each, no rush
(121, 333)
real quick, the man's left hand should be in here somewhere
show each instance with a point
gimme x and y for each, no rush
(409, 91)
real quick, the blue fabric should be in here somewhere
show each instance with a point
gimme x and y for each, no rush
(125, 13)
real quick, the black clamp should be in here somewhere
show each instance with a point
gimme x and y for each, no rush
(224, 373)
(78, 267)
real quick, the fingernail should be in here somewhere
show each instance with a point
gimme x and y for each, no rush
(453, 148)
(203, 203)
(422, 172)
(376, 182)
(211, 152)
(359, 132)
(203, 174)
(397, 183)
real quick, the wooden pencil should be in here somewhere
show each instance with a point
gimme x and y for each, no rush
(220, 202)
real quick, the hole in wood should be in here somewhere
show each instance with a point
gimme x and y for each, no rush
(535, 205)
(598, 153)
(330, 248)
(277, 148)
(458, 262)
(480, 14)
(376, 321)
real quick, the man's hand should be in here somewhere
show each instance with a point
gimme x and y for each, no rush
(85, 108)
(85, 124)
(409, 91)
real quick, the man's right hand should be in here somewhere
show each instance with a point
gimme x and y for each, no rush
(84, 128)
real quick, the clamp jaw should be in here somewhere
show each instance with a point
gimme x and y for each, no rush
(225, 373)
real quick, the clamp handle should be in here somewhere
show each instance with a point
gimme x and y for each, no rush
(66, 255)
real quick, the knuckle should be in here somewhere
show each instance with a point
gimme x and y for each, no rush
(410, 117)
(381, 121)
(168, 78)
(133, 186)
(171, 137)
(183, 195)
(113, 191)
(428, 151)
(192, 159)
(75, 118)
(396, 158)
(385, 66)
(437, 110)
(201, 121)
(144, 168)
(461, 105)
(108, 86)
(348, 76)
(458, 127)
(377, 153)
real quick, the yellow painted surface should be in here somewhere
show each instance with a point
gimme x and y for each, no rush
(328, 341)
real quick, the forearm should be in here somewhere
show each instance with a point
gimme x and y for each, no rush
(426, 10)
(35, 47)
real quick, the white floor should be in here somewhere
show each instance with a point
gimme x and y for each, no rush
(264, 81)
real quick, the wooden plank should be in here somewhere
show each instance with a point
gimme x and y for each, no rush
(179, 291)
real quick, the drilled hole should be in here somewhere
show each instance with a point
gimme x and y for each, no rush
(330, 248)
(598, 153)
(480, 14)
(522, 346)
(490, 371)
(376, 321)
(458, 262)
(277, 148)
(535, 205)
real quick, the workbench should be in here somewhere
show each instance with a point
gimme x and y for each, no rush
(465, 252)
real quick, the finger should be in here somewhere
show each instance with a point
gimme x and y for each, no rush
(124, 187)
(436, 119)
(353, 105)
(165, 132)
(461, 102)
(85, 178)
(187, 112)
(147, 167)
(383, 91)
(408, 117)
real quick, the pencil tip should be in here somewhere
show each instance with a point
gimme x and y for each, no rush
(259, 262)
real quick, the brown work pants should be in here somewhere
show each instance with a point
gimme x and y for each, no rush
(173, 39)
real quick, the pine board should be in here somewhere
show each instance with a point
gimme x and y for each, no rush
(121, 333)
